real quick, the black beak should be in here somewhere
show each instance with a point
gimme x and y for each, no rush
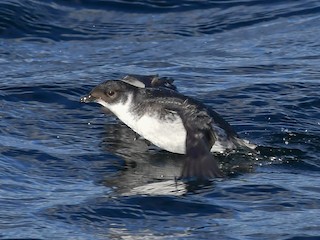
(87, 99)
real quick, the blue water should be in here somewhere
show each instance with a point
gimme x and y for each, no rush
(72, 171)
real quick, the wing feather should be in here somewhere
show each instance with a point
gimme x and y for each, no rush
(200, 163)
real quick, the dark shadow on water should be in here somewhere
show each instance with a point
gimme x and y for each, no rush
(146, 165)
(304, 238)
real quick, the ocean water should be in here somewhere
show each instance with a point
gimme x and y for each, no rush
(73, 171)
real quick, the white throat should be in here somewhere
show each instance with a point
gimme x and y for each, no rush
(122, 111)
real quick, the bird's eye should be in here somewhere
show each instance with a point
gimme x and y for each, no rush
(110, 93)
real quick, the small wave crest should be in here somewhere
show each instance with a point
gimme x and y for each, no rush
(83, 19)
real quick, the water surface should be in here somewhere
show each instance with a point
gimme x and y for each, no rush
(72, 171)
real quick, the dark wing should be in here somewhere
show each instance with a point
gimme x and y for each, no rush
(200, 163)
(149, 81)
(134, 81)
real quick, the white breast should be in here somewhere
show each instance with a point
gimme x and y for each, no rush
(168, 134)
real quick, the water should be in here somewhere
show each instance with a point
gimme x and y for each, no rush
(72, 171)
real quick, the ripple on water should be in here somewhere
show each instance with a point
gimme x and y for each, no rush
(72, 171)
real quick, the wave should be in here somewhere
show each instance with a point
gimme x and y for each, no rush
(98, 19)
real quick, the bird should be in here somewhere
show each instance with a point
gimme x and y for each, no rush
(171, 121)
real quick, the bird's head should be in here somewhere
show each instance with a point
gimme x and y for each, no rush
(109, 93)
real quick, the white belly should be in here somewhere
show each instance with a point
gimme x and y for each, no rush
(166, 134)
